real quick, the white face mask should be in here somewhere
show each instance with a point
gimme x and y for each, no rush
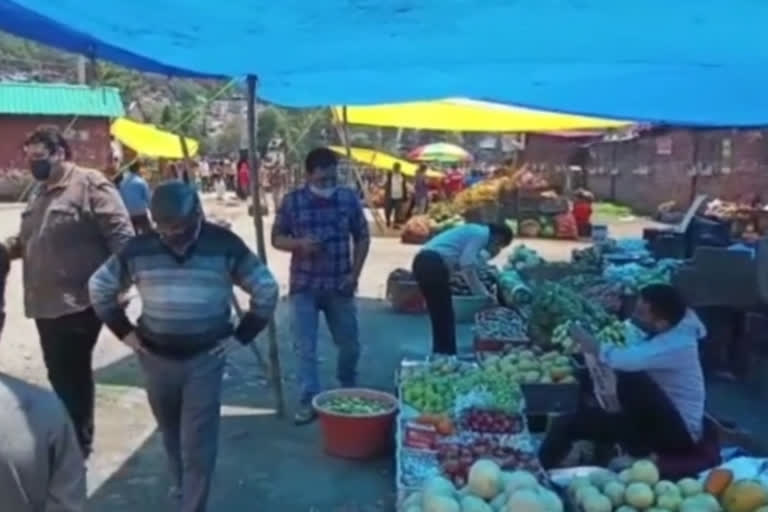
(325, 192)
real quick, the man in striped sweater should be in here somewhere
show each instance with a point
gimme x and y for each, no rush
(184, 272)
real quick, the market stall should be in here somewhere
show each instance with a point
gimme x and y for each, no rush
(465, 439)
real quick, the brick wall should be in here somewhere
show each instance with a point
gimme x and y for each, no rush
(88, 137)
(658, 166)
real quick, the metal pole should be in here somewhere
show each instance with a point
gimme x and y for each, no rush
(253, 164)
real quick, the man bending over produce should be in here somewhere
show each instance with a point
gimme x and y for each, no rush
(456, 249)
(659, 384)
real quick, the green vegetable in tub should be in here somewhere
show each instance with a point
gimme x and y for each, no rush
(355, 405)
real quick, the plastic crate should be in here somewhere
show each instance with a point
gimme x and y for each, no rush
(545, 398)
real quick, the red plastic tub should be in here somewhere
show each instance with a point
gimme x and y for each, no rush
(356, 436)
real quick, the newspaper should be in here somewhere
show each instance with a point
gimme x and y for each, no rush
(604, 384)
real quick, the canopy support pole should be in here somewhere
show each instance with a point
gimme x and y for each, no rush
(342, 127)
(275, 374)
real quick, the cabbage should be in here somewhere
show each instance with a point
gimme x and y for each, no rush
(625, 508)
(484, 479)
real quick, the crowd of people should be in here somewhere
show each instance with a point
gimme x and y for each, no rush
(86, 238)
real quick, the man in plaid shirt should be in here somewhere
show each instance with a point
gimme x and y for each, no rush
(324, 228)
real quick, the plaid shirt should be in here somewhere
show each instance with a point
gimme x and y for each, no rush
(332, 222)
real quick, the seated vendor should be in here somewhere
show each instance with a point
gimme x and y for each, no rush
(659, 381)
(456, 249)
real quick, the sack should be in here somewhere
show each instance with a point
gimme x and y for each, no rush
(565, 226)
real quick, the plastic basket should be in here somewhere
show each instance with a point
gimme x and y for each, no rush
(465, 307)
(405, 297)
(358, 436)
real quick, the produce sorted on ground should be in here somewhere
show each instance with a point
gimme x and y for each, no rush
(356, 405)
(640, 488)
(634, 277)
(530, 366)
(501, 324)
(554, 304)
(488, 275)
(487, 489)
(523, 257)
(608, 295)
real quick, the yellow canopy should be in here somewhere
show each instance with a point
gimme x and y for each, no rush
(148, 140)
(381, 160)
(459, 114)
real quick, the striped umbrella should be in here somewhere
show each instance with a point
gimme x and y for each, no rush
(440, 152)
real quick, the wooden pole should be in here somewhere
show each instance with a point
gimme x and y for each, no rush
(253, 164)
(343, 129)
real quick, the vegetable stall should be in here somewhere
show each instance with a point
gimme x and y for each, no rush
(468, 428)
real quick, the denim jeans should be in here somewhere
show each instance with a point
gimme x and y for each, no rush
(341, 317)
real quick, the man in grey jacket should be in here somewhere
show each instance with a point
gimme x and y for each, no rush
(41, 464)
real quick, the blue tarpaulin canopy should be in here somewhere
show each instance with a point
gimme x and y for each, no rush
(699, 62)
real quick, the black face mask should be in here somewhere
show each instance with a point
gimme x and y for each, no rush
(41, 168)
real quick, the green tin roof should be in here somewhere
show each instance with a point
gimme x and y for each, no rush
(59, 100)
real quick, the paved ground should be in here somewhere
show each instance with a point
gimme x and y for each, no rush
(265, 463)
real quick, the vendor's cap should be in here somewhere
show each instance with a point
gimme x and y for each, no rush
(173, 201)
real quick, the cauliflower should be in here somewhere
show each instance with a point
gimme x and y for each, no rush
(484, 479)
